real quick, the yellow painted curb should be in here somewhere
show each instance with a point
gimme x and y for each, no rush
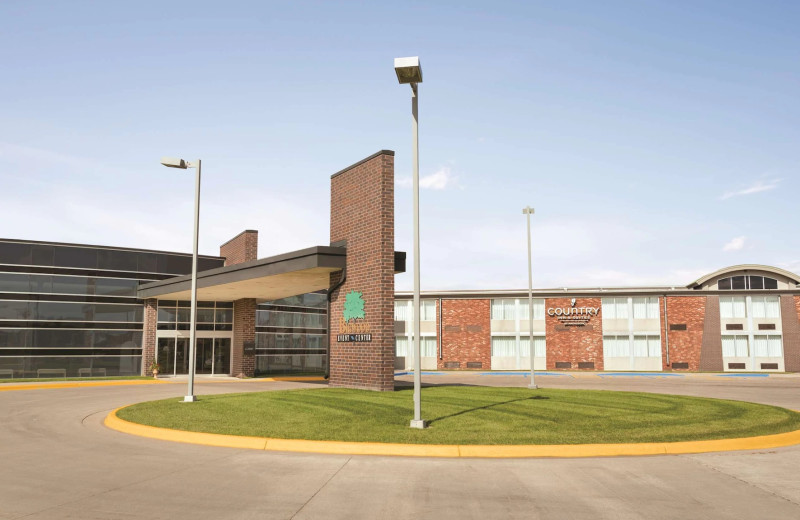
(76, 384)
(451, 450)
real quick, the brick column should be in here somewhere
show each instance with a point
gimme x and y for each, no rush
(790, 308)
(711, 353)
(241, 248)
(466, 335)
(582, 346)
(244, 330)
(686, 316)
(362, 214)
(149, 335)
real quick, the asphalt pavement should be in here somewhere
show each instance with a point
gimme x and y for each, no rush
(57, 460)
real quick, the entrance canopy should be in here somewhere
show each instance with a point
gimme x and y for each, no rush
(289, 274)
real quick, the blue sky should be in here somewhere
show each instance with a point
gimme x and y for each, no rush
(657, 141)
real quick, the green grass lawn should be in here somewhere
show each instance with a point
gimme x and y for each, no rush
(62, 379)
(468, 415)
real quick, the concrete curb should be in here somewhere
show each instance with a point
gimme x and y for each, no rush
(9, 387)
(779, 440)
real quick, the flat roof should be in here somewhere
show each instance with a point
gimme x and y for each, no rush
(288, 274)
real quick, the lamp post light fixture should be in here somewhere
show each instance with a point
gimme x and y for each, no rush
(529, 211)
(171, 162)
(408, 71)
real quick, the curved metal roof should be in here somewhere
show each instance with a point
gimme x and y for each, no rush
(745, 267)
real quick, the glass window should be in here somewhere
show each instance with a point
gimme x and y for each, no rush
(427, 346)
(766, 307)
(76, 257)
(117, 260)
(115, 287)
(767, 346)
(503, 309)
(640, 308)
(770, 283)
(738, 283)
(538, 309)
(13, 253)
(504, 346)
(71, 285)
(734, 346)
(539, 346)
(617, 308)
(224, 315)
(205, 315)
(401, 346)
(616, 346)
(427, 310)
(724, 284)
(732, 307)
(14, 282)
(401, 311)
(756, 282)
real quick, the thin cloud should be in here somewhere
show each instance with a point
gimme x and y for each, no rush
(735, 244)
(757, 187)
(441, 179)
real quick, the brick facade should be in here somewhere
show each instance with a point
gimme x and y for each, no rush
(790, 309)
(684, 344)
(362, 214)
(149, 334)
(579, 346)
(711, 352)
(241, 248)
(466, 335)
(244, 330)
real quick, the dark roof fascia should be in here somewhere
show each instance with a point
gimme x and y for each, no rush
(588, 293)
(90, 246)
(362, 161)
(318, 256)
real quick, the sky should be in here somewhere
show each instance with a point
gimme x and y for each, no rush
(657, 141)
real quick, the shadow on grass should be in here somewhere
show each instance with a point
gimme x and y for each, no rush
(463, 412)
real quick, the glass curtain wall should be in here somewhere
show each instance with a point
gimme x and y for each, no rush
(292, 335)
(71, 311)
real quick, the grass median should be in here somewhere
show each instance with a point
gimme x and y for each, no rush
(468, 415)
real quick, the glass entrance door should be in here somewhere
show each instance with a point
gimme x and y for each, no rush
(165, 355)
(222, 355)
(213, 356)
(204, 362)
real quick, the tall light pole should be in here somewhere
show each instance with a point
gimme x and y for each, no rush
(409, 71)
(529, 211)
(180, 163)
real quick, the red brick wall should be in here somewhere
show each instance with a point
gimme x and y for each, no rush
(362, 213)
(241, 248)
(685, 345)
(244, 329)
(790, 309)
(711, 352)
(574, 344)
(466, 333)
(149, 335)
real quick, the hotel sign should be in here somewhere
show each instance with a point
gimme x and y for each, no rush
(573, 316)
(352, 325)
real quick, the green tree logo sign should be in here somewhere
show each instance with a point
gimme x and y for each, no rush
(353, 306)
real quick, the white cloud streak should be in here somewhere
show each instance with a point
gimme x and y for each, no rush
(757, 187)
(735, 244)
(441, 179)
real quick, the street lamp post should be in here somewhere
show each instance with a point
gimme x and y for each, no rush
(409, 71)
(529, 211)
(180, 163)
